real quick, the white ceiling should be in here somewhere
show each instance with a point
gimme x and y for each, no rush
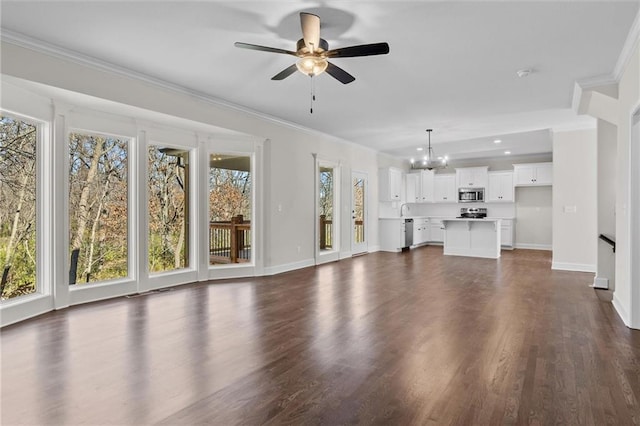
(452, 65)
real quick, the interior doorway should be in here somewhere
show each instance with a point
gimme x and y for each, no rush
(359, 210)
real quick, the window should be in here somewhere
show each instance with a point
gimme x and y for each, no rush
(18, 155)
(230, 204)
(98, 208)
(168, 209)
(326, 200)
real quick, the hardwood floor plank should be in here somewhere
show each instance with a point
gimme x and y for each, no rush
(408, 338)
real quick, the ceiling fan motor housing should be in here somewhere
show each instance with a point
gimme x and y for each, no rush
(301, 47)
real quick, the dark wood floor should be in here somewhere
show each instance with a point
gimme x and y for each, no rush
(412, 338)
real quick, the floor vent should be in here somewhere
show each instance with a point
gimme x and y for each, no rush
(148, 293)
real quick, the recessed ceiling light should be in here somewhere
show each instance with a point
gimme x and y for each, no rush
(419, 149)
(507, 152)
(497, 141)
(523, 72)
(439, 158)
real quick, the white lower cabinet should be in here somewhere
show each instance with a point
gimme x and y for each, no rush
(436, 231)
(420, 231)
(392, 234)
(506, 233)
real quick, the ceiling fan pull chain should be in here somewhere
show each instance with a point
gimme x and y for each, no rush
(313, 94)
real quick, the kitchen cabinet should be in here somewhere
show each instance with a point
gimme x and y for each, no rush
(500, 188)
(472, 177)
(390, 184)
(420, 231)
(426, 186)
(436, 231)
(533, 174)
(423, 181)
(445, 188)
(392, 234)
(412, 182)
(507, 233)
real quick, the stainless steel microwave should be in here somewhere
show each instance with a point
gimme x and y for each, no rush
(471, 195)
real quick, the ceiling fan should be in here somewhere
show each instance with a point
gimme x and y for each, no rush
(313, 52)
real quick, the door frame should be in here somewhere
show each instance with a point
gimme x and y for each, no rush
(360, 248)
(632, 215)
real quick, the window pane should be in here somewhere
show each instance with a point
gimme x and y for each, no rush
(358, 210)
(326, 208)
(17, 207)
(229, 209)
(98, 208)
(168, 209)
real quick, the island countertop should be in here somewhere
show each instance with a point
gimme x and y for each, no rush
(470, 219)
(472, 237)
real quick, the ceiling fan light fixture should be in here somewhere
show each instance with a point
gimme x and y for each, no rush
(312, 65)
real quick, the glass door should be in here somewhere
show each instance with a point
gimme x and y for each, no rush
(327, 208)
(359, 210)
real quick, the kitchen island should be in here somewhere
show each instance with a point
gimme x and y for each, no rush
(472, 237)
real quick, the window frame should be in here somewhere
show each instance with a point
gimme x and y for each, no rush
(177, 139)
(227, 145)
(102, 124)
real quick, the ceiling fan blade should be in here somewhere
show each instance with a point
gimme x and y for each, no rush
(285, 73)
(339, 74)
(361, 50)
(310, 24)
(263, 48)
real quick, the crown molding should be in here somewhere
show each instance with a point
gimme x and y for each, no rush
(40, 46)
(628, 49)
(633, 38)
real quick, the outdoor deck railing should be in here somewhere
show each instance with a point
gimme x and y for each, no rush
(326, 232)
(230, 242)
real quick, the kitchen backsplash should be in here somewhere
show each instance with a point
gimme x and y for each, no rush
(392, 209)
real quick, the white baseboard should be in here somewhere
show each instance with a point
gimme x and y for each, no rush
(576, 267)
(620, 310)
(528, 246)
(599, 282)
(279, 269)
(345, 254)
(373, 249)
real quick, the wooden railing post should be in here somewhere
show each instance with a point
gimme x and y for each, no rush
(235, 241)
(323, 232)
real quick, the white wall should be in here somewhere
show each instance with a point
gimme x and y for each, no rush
(626, 297)
(607, 155)
(534, 217)
(574, 200)
(288, 174)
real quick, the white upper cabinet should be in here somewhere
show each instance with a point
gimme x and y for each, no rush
(424, 186)
(472, 177)
(390, 184)
(500, 188)
(413, 188)
(533, 174)
(445, 188)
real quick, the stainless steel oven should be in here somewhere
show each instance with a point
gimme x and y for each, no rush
(471, 195)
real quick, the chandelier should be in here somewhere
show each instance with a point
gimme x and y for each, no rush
(429, 161)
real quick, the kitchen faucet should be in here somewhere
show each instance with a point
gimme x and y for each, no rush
(401, 206)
